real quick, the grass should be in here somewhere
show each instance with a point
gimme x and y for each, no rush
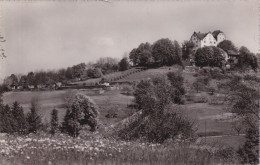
(60, 149)
(204, 112)
(49, 100)
(112, 77)
(94, 149)
(147, 74)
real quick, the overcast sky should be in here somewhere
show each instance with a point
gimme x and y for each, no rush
(52, 35)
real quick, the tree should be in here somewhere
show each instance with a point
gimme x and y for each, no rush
(133, 57)
(146, 58)
(244, 99)
(158, 120)
(237, 125)
(123, 64)
(69, 73)
(227, 45)
(2, 50)
(54, 121)
(19, 117)
(94, 73)
(78, 70)
(177, 83)
(246, 59)
(187, 48)
(249, 152)
(209, 56)
(7, 122)
(82, 111)
(141, 56)
(107, 64)
(166, 52)
(31, 79)
(33, 119)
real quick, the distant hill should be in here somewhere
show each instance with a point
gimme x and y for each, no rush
(131, 75)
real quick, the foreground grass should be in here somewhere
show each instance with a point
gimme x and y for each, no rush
(61, 149)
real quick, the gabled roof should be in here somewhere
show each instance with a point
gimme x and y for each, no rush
(200, 35)
(216, 33)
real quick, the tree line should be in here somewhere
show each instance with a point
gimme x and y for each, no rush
(165, 52)
(77, 72)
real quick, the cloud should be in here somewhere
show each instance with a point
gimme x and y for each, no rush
(106, 41)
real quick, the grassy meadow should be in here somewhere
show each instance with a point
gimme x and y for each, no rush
(48, 100)
(212, 120)
(44, 149)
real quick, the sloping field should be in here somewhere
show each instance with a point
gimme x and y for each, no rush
(212, 119)
(109, 77)
(48, 100)
(148, 74)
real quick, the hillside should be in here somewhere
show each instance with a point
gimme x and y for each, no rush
(108, 102)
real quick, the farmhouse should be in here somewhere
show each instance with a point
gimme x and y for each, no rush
(207, 39)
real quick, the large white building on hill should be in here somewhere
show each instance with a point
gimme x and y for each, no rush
(207, 39)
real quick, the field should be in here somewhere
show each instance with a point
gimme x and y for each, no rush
(213, 123)
(44, 149)
(48, 100)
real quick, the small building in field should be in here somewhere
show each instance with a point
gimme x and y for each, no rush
(31, 87)
(233, 56)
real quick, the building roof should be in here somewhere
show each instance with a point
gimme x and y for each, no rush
(216, 33)
(232, 52)
(200, 35)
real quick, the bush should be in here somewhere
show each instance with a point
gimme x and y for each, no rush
(249, 152)
(112, 113)
(33, 119)
(177, 81)
(158, 121)
(54, 121)
(211, 90)
(158, 128)
(228, 154)
(82, 111)
(127, 89)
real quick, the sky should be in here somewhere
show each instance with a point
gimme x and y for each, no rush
(47, 35)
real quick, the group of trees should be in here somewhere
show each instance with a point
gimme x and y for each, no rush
(162, 52)
(80, 71)
(209, 56)
(246, 59)
(244, 96)
(13, 119)
(215, 56)
(81, 111)
(159, 120)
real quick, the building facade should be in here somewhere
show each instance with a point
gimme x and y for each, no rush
(207, 39)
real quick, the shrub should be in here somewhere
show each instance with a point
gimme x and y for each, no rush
(19, 117)
(249, 152)
(211, 90)
(227, 154)
(160, 127)
(112, 113)
(127, 89)
(33, 119)
(54, 121)
(158, 121)
(82, 111)
(177, 81)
